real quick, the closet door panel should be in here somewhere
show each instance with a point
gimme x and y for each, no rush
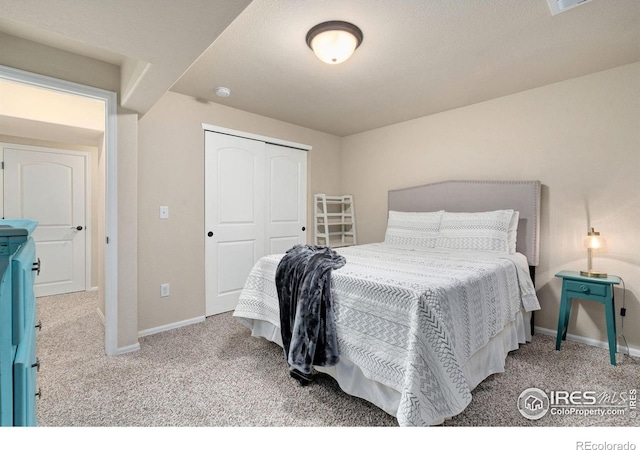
(286, 209)
(234, 216)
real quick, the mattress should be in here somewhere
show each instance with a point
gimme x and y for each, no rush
(417, 329)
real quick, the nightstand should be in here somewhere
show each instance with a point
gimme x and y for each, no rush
(575, 285)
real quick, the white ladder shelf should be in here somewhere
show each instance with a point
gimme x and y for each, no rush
(334, 220)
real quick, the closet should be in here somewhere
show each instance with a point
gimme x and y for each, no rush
(255, 205)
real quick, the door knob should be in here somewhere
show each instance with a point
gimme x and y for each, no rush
(210, 233)
(79, 228)
(303, 228)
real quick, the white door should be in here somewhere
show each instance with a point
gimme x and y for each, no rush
(234, 216)
(286, 189)
(50, 188)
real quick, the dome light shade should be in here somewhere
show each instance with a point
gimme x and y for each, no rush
(335, 41)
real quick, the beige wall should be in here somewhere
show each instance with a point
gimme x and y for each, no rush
(41, 59)
(580, 138)
(19, 99)
(170, 172)
(127, 163)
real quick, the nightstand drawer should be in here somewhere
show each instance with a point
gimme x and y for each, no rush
(585, 288)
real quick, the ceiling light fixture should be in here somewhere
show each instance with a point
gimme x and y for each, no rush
(335, 41)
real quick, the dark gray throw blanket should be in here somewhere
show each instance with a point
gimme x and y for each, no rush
(303, 281)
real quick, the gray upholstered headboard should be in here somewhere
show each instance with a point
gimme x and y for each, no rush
(477, 196)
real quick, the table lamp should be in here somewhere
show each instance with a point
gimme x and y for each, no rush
(593, 241)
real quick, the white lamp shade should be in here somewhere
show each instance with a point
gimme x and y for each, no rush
(594, 241)
(335, 46)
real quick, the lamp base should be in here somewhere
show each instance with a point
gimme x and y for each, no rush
(593, 274)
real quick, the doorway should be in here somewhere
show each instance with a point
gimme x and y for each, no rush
(110, 217)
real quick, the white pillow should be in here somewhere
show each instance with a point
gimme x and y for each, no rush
(487, 231)
(413, 229)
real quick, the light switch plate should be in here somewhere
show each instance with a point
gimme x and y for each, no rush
(164, 212)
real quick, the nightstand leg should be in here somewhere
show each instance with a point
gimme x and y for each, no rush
(611, 328)
(563, 318)
(567, 315)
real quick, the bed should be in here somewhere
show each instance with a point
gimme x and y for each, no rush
(424, 316)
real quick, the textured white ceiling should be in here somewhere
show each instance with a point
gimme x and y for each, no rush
(155, 40)
(418, 57)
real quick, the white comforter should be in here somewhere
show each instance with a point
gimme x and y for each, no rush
(410, 319)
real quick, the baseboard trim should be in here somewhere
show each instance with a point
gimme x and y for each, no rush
(171, 326)
(101, 316)
(131, 348)
(120, 350)
(589, 341)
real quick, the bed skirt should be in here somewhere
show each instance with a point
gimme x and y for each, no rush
(488, 360)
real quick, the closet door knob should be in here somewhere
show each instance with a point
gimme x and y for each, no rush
(303, 228)
(210, 233)
(79, 228)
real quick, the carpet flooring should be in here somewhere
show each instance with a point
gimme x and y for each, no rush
(214, 374)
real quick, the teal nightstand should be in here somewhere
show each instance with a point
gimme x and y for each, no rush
(575, 285)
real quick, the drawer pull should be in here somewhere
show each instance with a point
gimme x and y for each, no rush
(39, 393)
(584, 288)
(36, 267)
(37, 364)
(39, 325)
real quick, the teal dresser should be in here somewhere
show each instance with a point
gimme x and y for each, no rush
(18, 362)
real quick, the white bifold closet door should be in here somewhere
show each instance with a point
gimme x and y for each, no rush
(255, 204)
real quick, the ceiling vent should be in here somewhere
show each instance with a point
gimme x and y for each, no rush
(558, 6)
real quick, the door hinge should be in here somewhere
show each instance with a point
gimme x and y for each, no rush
(2, 165)
(107, 239)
